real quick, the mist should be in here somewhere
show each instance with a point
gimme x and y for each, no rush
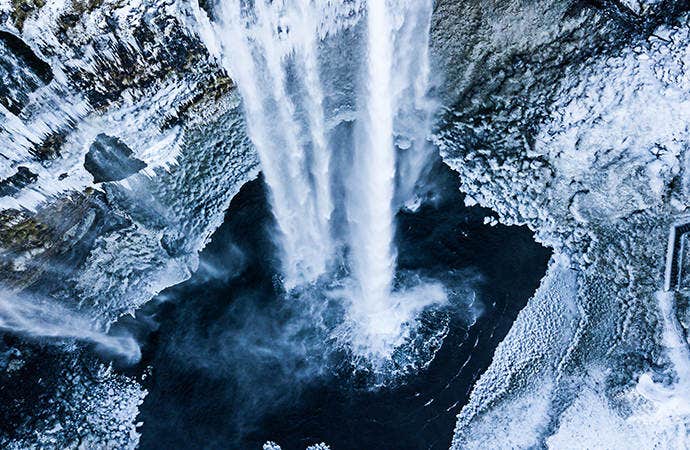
(44, 319)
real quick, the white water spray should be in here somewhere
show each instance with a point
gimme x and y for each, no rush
(370, 203)
(273, 51)
(44, 318)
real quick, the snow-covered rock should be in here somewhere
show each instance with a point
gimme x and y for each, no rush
(139, 74)
(583, 139)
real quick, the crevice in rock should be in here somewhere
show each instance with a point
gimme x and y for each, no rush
(109, 159)
(13, 184)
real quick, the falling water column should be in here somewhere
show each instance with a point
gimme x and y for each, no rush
(370, 210)
(257, 47)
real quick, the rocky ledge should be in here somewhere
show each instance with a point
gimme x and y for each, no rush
(574, 121)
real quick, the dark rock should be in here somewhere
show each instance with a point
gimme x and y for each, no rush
(109, 159)
(21, 70)
(13, 184)
(49, 148)
(22, 9)
(28, 57)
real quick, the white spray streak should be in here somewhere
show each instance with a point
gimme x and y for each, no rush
(314, 106)
(33, 317)
(397, 79)
(411, 82)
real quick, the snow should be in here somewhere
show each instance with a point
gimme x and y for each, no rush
(597, 179)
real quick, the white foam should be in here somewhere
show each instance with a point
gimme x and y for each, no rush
(372, 332)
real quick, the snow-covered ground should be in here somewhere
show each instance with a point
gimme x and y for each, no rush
(589, 150)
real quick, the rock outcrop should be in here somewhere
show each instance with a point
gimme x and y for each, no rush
(98, 230)
(571, 117)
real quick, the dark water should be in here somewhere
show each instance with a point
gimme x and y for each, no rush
(235, 365)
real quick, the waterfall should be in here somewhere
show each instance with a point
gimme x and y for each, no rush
(256, 46)
(370, 207)
(306, 71)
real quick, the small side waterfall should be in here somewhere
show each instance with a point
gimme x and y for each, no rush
(285, 57)
(39, 317)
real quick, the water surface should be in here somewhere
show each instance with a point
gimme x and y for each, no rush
(235, 365)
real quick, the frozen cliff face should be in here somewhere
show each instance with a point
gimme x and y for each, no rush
(137, 76)
(121, 145)
(580, 131)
